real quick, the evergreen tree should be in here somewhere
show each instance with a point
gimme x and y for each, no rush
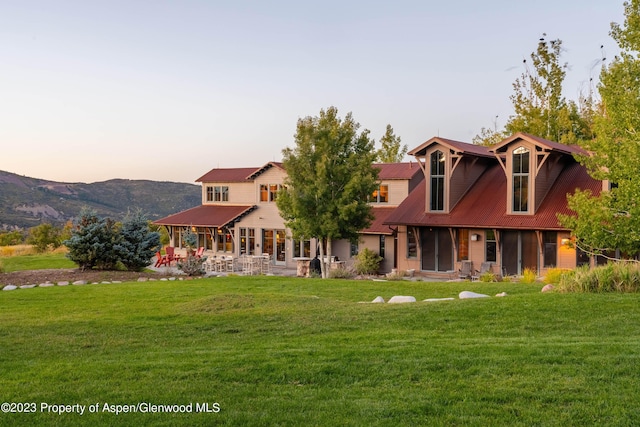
(92, 242)
(138, 243)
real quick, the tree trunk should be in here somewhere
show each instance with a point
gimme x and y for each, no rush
(328, 259)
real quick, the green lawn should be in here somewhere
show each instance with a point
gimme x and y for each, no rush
(36, 262)
(294, 352)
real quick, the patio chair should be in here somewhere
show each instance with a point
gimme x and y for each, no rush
(199, 252)
(466, 270)
(171, 253)
(161, 260)
(485, 267)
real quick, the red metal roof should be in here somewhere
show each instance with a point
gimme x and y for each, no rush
(484, 205)
(236, 174)
(390, 171)
(551, 145)
(206, 216)
(377, 225)
(457, 146)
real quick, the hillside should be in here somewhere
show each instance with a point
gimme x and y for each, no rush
(26, 202)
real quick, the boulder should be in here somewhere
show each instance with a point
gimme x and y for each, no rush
(63, 283)
(378, 300)
(142, 279)
(9, 288)
(45, 285)
(548, 288)
(470, 295)
(80, 282)
(438, 299)
(27, 286)
(400, 299)
(501, 294)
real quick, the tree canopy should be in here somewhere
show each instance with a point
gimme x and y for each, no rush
(612, 219)
(539, 107)
(330, 176)
(391, 150)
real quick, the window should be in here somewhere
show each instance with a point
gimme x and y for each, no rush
(437, 180)
(463, 244)
(412, 243)
(269, 192)
(224, 240)
(380, 195)
(353, 251)
(247, 241)
(490, 253)
(550, 241)
(302, 248)
(520, 179)
(382, 248)
(218, 194)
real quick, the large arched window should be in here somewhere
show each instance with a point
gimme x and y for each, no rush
(437, 180)
(520, 180)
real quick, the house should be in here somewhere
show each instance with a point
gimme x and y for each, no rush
(496, 205)
(238, 215)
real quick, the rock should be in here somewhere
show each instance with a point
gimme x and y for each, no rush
(548, 288)
(63, 283)
(105, 282)
(9, 288)
(80, 282)
(438, 299)
(46, 284)
(501, 294)
(142, 279)
(400, 299)
(27, 286)
(469, 295)
(117, 281)
(378, 300)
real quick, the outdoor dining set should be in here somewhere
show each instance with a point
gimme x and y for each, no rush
(245, 264)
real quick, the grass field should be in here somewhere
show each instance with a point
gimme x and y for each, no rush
(294, 352)
(35, 262)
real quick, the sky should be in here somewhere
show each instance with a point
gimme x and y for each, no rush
(167, 90)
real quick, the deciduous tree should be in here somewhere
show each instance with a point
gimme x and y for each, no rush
(391, 150)
(330, 178)
(615, 151)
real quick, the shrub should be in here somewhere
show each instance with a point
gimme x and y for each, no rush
(397, 276)
(367, 262)
(554, 275)
(11, 238)
(488, 277)
(192, 265)
(341, 273)
(528, 276)
(613, 277)
(45, 237)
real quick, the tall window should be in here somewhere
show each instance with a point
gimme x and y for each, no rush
(520, 179)
(463, 244)
(437, 181)
(382, 245)
(209, 194)
(490, 254)
(302, 248)
(412, 243)
(247, 241)
(380, 195)
(550, 239)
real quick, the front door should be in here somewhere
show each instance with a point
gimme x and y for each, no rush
(519, 251)
(274, 244)
(437, 249)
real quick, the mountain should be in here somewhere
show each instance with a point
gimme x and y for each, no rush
(26, 202)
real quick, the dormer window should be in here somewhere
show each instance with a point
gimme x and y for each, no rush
(437, 180)
(521, 179)
(380, 195)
